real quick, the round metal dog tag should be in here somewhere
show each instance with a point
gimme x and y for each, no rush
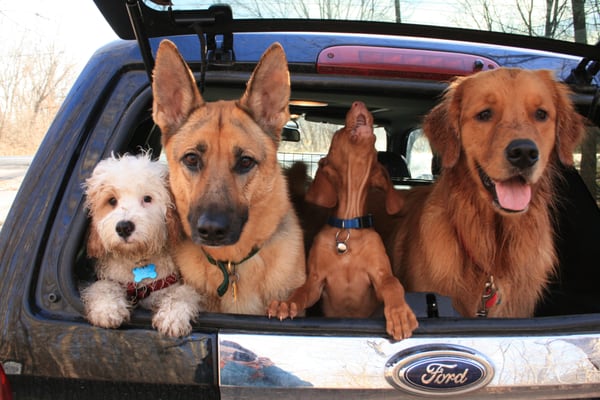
(341, 247)
(340, 244)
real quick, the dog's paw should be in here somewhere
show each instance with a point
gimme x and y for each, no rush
(171, 323)
(105, 304)
(108, 318)
(400, 321)
(282, 310)
(175, 310)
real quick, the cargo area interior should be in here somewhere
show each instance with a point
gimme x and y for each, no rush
(398, 106)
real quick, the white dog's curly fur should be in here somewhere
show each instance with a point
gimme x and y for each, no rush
(132, 224)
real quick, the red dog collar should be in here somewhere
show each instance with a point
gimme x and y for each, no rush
(136, 293)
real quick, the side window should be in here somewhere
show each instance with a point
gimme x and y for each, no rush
(419, 156)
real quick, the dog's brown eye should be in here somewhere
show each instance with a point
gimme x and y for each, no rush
(112, 201)
(541, 115)
(191, 161)
(245, 164)
(484, 115)
(147, 199)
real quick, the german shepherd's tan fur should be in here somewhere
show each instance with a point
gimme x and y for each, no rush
(229, 190)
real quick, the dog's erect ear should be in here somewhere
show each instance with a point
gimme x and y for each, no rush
(94, 248)
(267, 95)
(321, 191)
(380, 179)
(442, 125)
(569, 124)
(174, 87)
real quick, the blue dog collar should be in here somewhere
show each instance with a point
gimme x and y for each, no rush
(365, 221)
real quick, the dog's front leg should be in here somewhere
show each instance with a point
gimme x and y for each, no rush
(400, 320)
(303, 297)
(106, 304)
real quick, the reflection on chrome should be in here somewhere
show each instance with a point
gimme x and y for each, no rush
(507, 365)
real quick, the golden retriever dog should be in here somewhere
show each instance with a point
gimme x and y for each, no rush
(483, 233)
(133, 226)
(348, 268)
(244, 245)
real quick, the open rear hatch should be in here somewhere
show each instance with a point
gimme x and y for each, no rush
(146, 19)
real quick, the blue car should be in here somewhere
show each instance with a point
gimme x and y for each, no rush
(398, 59)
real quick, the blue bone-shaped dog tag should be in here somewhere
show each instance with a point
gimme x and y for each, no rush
(141, 273)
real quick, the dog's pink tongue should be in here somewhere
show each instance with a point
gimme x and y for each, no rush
(513, 194)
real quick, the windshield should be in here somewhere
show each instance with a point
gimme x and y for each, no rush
(567, 20)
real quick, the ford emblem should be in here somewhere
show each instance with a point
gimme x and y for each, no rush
(438, 370)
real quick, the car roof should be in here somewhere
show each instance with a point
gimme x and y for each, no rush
(160, 18)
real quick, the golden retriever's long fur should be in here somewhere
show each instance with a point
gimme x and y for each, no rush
(244, 245)
(485, 227)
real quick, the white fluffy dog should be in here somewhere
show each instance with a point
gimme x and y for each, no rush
(133, 223)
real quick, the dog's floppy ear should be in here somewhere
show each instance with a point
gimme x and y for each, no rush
(380, 179)
(174, 87)
(268, 92)
(94, 248)
(174, 227)
(569, 124)
(322, 192)
(442, 125)
(175, 231)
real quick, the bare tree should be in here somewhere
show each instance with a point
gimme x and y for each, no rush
(33, 82)
(524, 18)
(397, 11)
(327, 9)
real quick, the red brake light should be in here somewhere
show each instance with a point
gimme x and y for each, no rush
(399, 62)
(5, 390)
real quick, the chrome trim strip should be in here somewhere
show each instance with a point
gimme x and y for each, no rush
(549, 366)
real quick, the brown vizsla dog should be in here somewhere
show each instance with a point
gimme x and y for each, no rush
(347, 264)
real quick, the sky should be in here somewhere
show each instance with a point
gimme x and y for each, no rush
(75, 27)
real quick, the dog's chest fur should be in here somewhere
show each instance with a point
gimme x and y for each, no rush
(518, 261)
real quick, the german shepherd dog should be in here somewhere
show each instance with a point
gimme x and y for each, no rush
(244, 246)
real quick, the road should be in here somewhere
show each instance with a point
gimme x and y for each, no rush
(12, 171)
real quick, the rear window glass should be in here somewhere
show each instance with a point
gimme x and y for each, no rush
(506, 16)
(315, 138)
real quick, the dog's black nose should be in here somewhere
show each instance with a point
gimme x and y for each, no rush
(125, 228)
(522, 153)
(216, 225)
(213, 228)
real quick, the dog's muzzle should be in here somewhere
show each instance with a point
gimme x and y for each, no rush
(513, 195)
(217, 227)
